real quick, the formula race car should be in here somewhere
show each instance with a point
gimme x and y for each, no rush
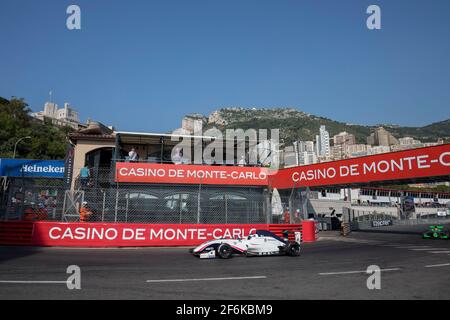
(260, 243)
(436, 232)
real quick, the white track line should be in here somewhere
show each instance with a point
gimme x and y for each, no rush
(32, 282)
(427, 249)
(437, 265)
(352, 272)
(413, 247)
(96, 248)
(206, 279)
(393, 245)
(440, 251)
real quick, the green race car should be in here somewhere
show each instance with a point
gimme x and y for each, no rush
(436, 232)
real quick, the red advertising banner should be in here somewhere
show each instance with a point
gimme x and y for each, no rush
(134, 235)
(190, 174)
(410, 164)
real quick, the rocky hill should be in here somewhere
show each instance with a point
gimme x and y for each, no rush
(298, 125)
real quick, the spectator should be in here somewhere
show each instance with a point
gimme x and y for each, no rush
(287, 217)
(177, 156)
(242, 161)
(42, 213)
(335, 223)
(133, 155)
(29, 213)
(85, 212)
(84, 176)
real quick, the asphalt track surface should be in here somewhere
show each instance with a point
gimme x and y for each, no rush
(332, 268)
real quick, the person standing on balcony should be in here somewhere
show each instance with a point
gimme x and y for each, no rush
(133, 155)
(242, 161)
(84, 176)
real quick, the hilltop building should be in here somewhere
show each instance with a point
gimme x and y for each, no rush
(62, 117)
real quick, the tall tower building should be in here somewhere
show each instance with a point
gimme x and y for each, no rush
(323, 142)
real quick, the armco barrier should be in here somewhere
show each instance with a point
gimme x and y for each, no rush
(279, 228)
(309, 231)
(41, 233)
(16, 233)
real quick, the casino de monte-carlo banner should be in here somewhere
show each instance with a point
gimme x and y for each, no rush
(408, 164)
(129, 172)
(95, 234)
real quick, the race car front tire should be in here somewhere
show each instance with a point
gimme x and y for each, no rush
(293, 249)
(224, 251)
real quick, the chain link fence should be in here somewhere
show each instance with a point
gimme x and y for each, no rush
(39, 199)
(176, 204)
(32, 199)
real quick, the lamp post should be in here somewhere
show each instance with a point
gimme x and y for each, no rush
(15, 146)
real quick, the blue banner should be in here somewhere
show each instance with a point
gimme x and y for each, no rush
(31, 168)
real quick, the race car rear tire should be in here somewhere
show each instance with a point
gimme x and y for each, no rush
(293, 249)
(224, 251)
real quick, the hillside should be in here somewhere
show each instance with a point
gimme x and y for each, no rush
(297, 125)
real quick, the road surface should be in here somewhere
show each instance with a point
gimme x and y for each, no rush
(332, 268)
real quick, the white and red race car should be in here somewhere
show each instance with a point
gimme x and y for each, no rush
(260, 243)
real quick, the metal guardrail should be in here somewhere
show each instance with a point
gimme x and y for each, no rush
(367, 225)
(421, 221)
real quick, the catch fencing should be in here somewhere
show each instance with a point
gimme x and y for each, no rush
(45, 200)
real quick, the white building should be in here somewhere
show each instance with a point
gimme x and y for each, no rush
(408, 141)
(357, 150)
(323, 142)
(305, 146)
(344, 138)
(305, 152)
(66, 116)
(337, 152)
(378, 150)
(307, 157)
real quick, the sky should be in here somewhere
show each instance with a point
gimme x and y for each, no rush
(143, 65)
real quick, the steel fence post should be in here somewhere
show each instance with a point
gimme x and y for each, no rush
(103, 206)
(117, 203)
(198, 202)
(64, 205)
(226, 206)
(126, 211)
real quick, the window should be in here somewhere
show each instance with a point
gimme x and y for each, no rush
(177, 201)
(229, 197)
(141, 195)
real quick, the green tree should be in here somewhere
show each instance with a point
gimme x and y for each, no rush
(47, 141)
